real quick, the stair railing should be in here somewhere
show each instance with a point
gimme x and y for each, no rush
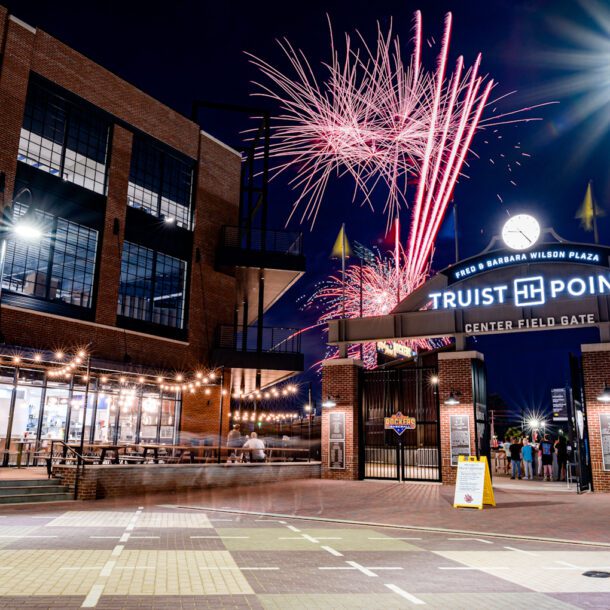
(61, 457)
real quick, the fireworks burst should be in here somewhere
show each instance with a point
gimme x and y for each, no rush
(384, 121)
(374, 287)
(380, 120)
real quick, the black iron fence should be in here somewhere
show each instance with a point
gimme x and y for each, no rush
(262, 240)
(245, 339)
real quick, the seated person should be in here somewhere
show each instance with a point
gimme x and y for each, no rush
(258, 446)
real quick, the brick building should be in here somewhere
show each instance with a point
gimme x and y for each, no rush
(125, 238)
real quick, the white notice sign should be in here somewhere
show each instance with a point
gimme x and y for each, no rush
(469, 484)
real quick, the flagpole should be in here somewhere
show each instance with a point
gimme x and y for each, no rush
(594, 212)
(396, 257)
(343, 264)
(455, 232)
(361, 305)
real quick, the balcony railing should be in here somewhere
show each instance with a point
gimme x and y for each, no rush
(276, 340)
(281, 242)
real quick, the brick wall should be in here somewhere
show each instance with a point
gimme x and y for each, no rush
(455, 373)
(212, 294)
(118, 481)
(201, 414)
(596, 373)
(340, 379)
(112, 245)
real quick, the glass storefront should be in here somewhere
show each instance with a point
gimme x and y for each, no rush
(34, 408)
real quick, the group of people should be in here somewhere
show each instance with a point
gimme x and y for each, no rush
(255, 446)
(525, 459)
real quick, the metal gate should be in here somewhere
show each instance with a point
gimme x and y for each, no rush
(579, 434)
(481, 415)
(414, 455)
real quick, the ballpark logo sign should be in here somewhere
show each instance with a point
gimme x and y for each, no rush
(399, 423)
(525, 292)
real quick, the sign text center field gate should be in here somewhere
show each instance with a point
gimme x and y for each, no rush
(400, 425)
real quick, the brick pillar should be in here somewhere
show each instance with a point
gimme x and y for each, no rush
(201, 413)
(340, 380)
(110, 250)
(596, 373)
(14, 77)
(455, 374)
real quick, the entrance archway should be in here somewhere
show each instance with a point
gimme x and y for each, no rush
(550, 286)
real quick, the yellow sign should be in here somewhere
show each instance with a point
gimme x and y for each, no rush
(399, 423)
(473, 485)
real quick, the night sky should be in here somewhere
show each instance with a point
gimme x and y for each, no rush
(190, 50)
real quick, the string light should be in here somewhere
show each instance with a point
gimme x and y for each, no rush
(72, 363)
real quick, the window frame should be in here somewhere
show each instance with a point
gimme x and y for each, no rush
(72, 105)
(49, 241)
(148, 325)
(146, 143)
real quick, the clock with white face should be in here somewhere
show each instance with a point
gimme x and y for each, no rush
(521, 232)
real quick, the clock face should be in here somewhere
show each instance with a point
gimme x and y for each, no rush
(521, 232)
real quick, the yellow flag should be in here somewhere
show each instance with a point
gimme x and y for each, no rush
(341, 247)
(586, 211)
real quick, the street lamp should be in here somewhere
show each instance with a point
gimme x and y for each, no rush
(308, 411)
(605, 395)
(453, 399)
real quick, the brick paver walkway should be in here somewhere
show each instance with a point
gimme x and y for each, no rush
(539, 514)
(157, 553)
(162, 557)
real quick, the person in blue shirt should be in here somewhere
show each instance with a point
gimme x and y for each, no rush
(527, 454)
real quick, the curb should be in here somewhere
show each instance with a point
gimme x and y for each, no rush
(417, 528)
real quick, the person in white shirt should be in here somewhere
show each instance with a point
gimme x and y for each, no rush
(258, 446)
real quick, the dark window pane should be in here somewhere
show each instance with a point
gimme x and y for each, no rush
(152, 286)
(49, 122)
(86, 150)
(160, 183)
(60, 266)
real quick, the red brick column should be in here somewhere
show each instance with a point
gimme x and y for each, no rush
(341, 380)
(596, 373)
(14, 75)
(455, 374)
(111, 248)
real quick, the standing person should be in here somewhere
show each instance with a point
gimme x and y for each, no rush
(561, 448)
(539, 458)
(515, 458)
(546, 447)
(506, 449)
(258, 448)
(528, 460)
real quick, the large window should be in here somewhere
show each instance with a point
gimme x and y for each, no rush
(160, 183)
(60, 266)
(152, 286)
(64, 139)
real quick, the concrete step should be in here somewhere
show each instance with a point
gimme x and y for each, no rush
(28, 482)
(26, 490)
(44, 497)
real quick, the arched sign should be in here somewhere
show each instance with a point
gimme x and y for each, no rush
(549, 286)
